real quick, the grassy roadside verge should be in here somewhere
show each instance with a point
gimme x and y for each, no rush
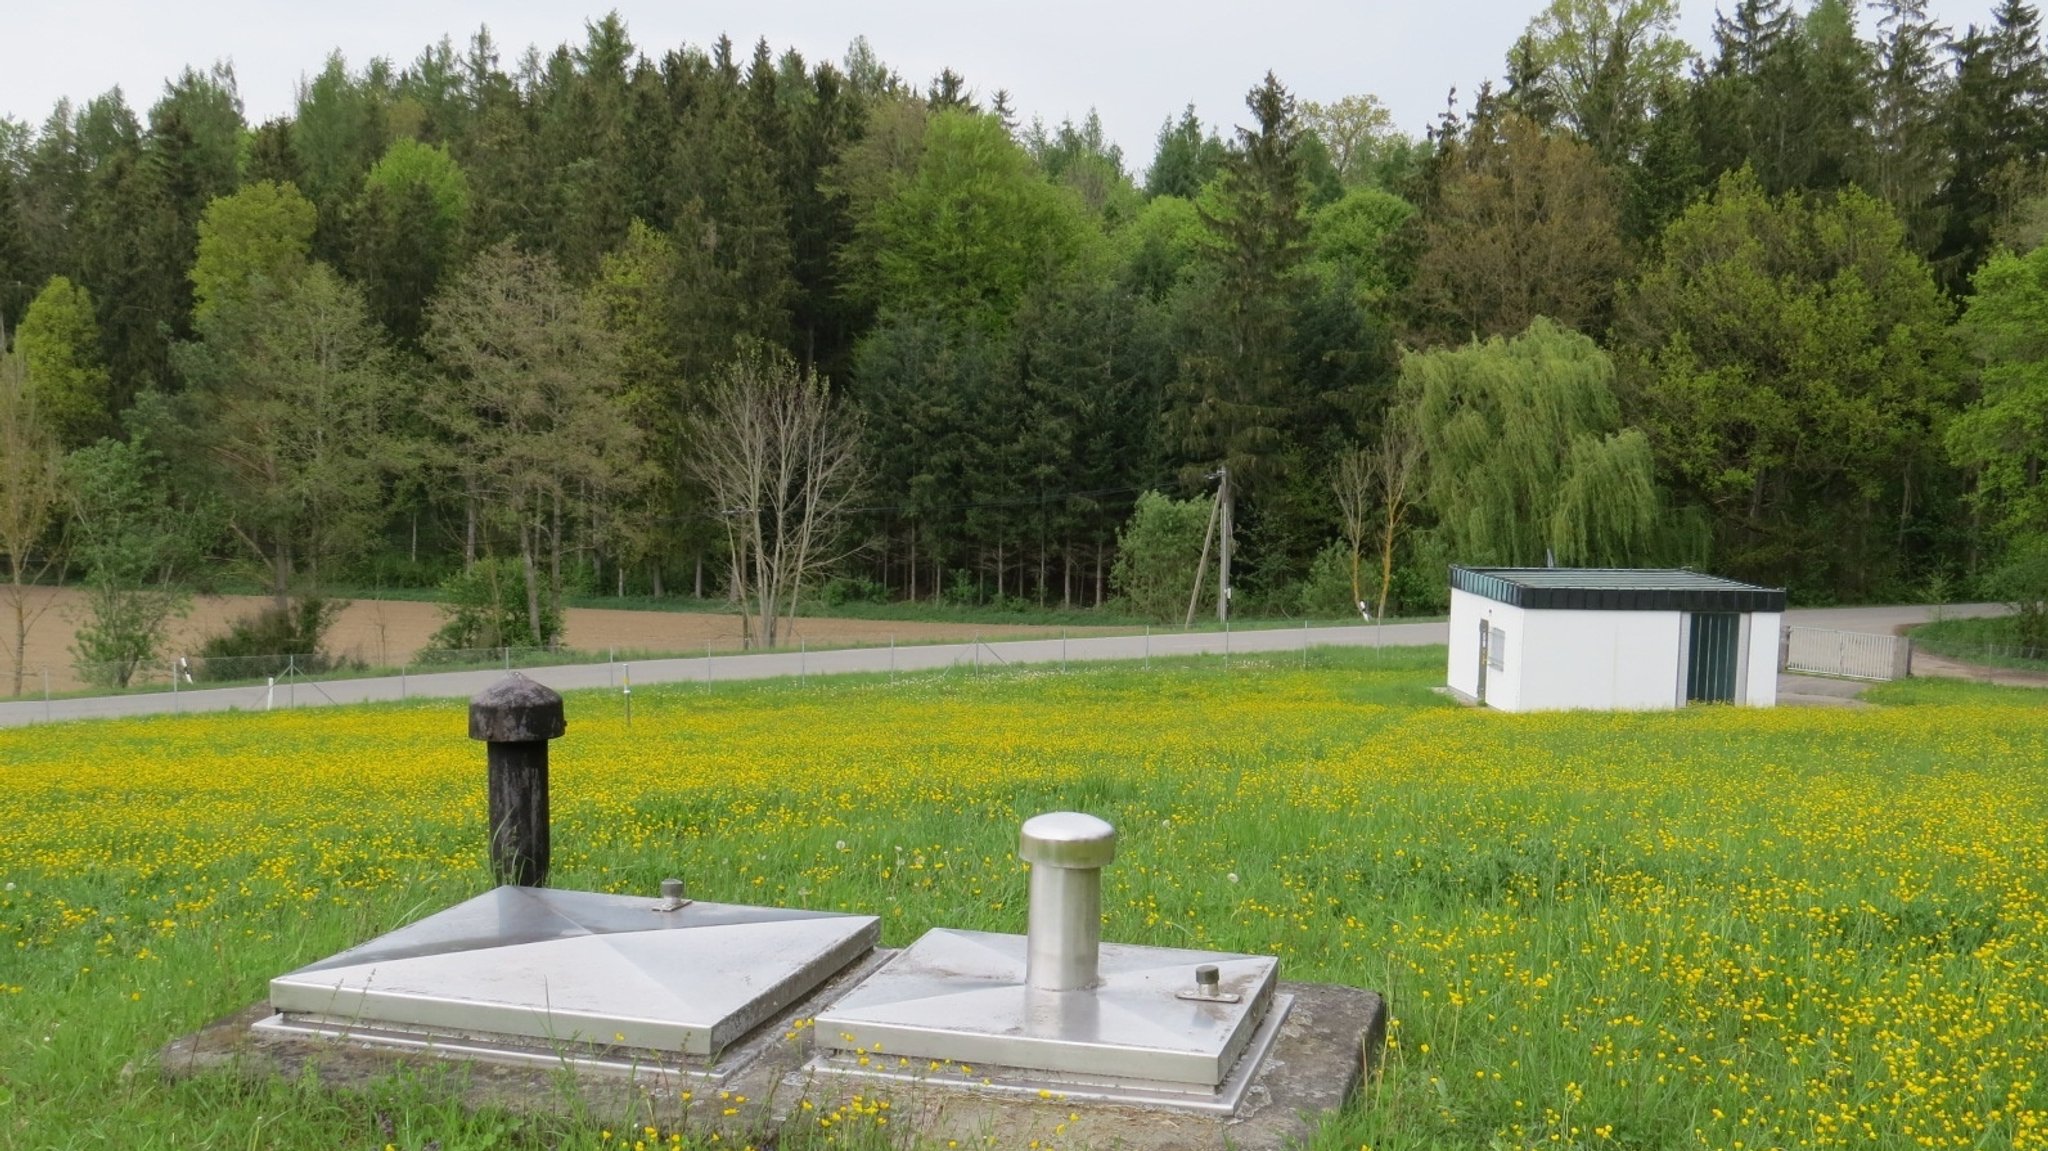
(1989, 642)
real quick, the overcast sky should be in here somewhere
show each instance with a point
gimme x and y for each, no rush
(1136, 63)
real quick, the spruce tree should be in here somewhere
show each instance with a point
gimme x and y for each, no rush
(1750, 113)
(1838, 98)
(1184, 159)
(1908, 161)
(1670, 172)
(125, 244)
(16, 287)
(826, 122)
(1235, 393)
(52, 189)
(271, 156)
(1529, 90)
(949, 90)
(1995, 127)
(339, 131)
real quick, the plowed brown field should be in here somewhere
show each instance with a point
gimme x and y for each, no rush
(387, 633)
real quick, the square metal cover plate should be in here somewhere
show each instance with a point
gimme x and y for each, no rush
(579, 967)
(960, 997)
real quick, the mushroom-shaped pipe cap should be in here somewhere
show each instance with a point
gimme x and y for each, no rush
(516, 710)
(1067, 839)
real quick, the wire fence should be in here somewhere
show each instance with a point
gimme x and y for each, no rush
(187, 673)
(1992, 660)
(294, 680)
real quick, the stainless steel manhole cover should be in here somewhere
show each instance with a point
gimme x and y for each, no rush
(961, 997)
(580, 968)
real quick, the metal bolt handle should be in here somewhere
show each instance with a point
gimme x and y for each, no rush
(674, 896)
(1209, 987)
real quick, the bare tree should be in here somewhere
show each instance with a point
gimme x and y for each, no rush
(779, 455)
(1395, 461)
(1354, 486)
(1375, 493)
(31, 488)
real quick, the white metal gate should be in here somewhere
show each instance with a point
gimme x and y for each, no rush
(1851, 654)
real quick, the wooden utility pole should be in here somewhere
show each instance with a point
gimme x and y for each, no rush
(1202, 565)
(1224, 497)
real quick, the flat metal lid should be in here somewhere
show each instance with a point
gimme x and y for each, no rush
(960, 997)
(583, 968)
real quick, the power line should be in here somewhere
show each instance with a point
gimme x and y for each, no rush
(1034, 501)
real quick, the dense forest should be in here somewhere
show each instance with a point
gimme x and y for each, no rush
(1776, 306)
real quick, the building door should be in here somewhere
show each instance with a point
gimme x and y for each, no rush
(1485, 644)
(1710, 663)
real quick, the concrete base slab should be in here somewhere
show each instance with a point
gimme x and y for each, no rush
(623, 1086)
(1821, 691)
(1331, 1039)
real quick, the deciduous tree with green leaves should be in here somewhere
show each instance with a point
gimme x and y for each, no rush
(973, 230)
(1157, 553)
(1521, 223)
(133, 545)
(407, 230)
(2002, 438)
(288, 408)
(259, 235)
(59, 342)
(1357, 132)
(527, 404)
(1791, 361)
(31, 498)
(1603, 62)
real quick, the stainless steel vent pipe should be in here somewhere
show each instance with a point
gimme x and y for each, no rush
(1067, 852)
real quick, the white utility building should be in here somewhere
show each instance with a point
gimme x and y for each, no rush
(1611, 639)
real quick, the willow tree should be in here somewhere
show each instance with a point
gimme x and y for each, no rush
(1525, 458)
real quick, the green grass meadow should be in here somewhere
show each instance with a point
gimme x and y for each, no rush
(1717, 928)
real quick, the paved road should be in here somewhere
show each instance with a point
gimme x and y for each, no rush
(1885, 620)
(1882, 620)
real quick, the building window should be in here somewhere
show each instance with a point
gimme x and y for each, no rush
(1496, 649)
